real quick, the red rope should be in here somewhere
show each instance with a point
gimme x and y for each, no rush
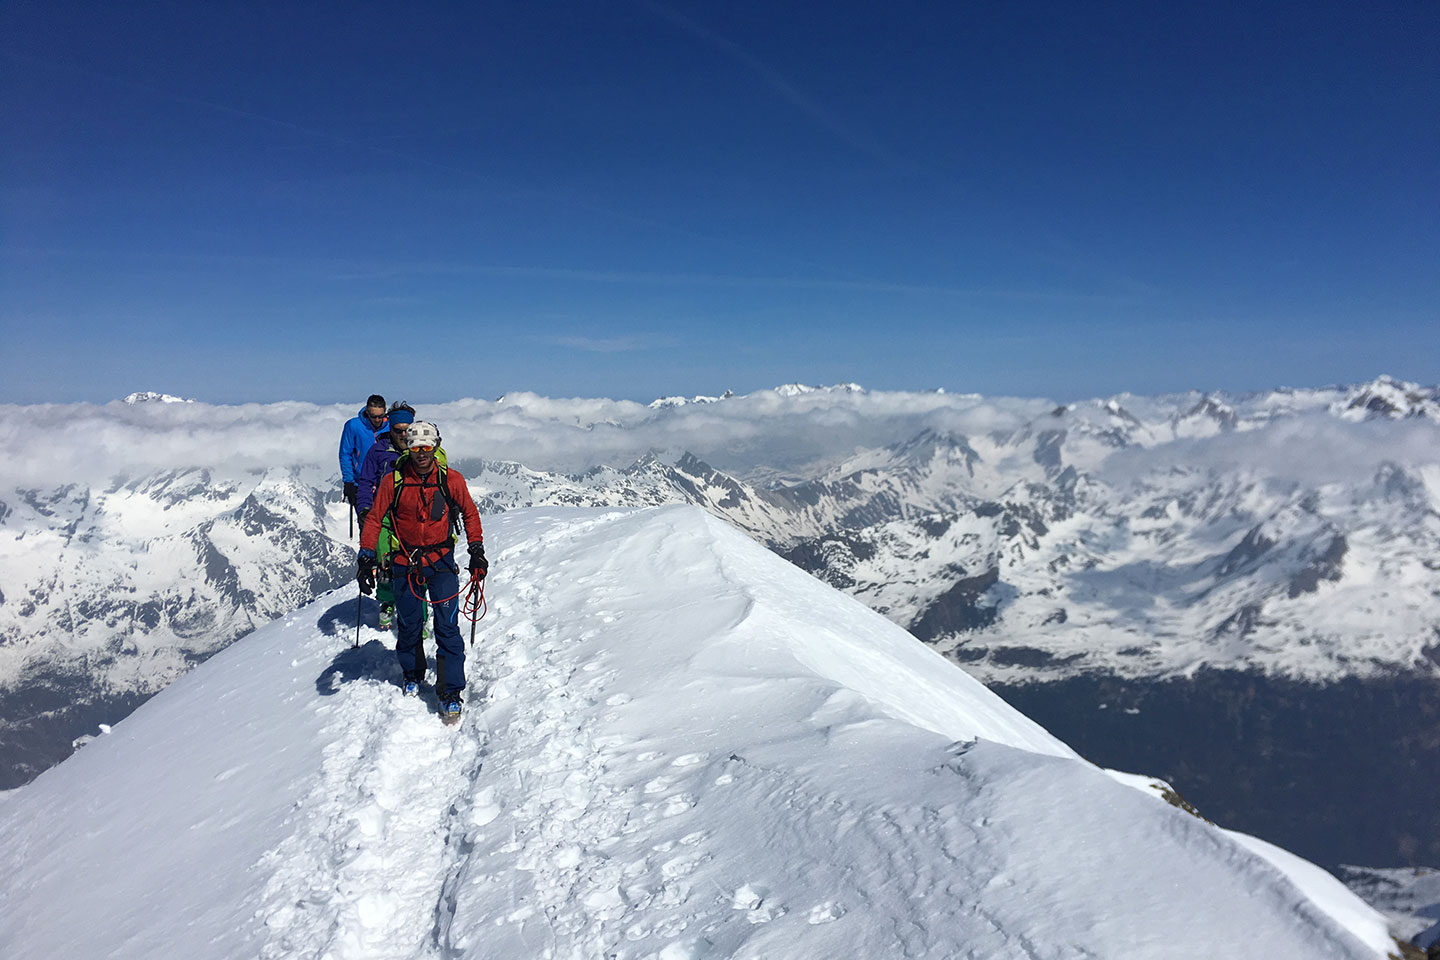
(474, 601)
(475, 606)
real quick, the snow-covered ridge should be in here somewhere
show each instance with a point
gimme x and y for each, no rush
(664, 402)
(687, 749)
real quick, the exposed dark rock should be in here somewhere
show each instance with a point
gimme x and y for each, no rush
(1374, 405)
(691, 469)
(1120, 413)
(1241, 622)
(969, 653)
(935, 526)
(828, 558)
(1398, 484)
(813, 557)
(1431, 651)
(959, 608)
(1324, 567)
(1029, 657)
(1251, 548)
(1221, 414)
(878, 509)
(1047, 451)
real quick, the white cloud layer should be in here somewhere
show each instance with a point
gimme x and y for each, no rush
(1310, 449)
(93, 443)
(763, 434)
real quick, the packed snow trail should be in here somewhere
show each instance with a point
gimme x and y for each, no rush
(675, 746)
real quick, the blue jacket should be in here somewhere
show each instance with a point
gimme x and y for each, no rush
(355, 441)
(379, 461)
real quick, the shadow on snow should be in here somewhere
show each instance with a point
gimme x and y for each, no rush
(340, 618)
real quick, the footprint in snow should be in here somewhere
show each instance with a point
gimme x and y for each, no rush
(683, 866)
(677, 805)
(752, 899)
(748, 897)
(825, 912)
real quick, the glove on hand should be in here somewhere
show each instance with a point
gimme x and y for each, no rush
(366, 576)
(351, 492)
(477, 559)
(360, 516)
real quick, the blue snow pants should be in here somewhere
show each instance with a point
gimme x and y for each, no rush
(441, 580)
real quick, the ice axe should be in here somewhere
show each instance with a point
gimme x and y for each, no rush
(475, 603)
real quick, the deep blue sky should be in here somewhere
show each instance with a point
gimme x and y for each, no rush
(631, 198)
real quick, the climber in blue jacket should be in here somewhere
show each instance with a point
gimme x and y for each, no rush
(356, 439)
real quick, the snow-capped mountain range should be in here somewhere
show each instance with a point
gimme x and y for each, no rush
(1292, 534)
(675, 746)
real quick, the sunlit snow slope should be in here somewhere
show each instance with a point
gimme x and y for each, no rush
(687, 748)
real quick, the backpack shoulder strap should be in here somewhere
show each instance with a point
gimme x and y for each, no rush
(442, 479)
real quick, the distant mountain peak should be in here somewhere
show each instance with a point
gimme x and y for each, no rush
(799, 389)
(1386, 396)
(665, 402)
(150, 396)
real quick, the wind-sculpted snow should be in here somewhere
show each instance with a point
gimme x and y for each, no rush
(681, 747)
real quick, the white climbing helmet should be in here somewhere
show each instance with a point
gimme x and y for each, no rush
(422, 434)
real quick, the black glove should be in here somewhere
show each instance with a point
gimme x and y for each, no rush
(366, 576)
(360, 516)
(351, 492)
(478, 563)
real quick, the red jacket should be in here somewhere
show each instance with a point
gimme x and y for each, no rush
(422, 517)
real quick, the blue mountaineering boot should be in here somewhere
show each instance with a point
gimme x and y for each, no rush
(450, 708)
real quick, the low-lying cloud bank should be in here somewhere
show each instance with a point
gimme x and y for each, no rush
(1310, 449)
(771, 432)
(95, 443)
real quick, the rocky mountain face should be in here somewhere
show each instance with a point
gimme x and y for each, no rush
(1124, 569)
(118, 591)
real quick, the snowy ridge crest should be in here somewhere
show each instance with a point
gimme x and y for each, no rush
(685, 748)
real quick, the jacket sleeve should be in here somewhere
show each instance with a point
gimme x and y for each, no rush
(347, 452)
(369, 478)
(460, 493)
(370, 533)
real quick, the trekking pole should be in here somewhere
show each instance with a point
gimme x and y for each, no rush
(359, 604)
(352, 521)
